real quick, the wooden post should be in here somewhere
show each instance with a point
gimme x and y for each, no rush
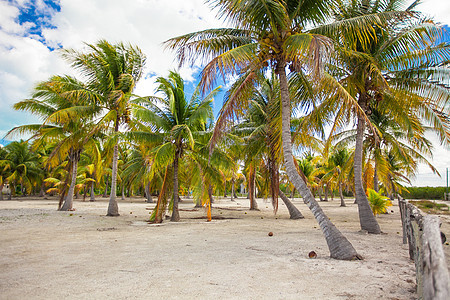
(436, 281)
(402, 208)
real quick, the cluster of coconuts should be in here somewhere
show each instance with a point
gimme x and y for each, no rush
(270, 46)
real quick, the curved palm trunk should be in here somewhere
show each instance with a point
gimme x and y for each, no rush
(294, 213)
(175, 213)
(113, 208)
(366, 218)
(338, 245)
(68, 203)
(1, 191)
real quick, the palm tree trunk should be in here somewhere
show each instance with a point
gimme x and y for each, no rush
(294, 213)
(326, 193)
(251, 190)
(375, 177)
(105, 192)
(147, 193)
(11, 186)
(225, 189)
(320, 193)
(1, 191)
(338, 245)
(341, 195)
(232, 190)
(113, 208)
(42, 191)
(392, 197)
(92, 194)
(84, 193)
(366, 218)
(68, 203)
(175, 213)
(123, 192)
(210, 194)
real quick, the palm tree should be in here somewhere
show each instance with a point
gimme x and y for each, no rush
(207, 168)
(402, 137)
(67, 123)
(111, 72)
(400, 69)
(271, 34)
(138, 170)
(338, 164)
(175, 122)
(23, 166)
(4, 170)
(91, 167)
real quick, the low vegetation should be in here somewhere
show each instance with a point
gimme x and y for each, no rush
(431, 207)
(426, 192)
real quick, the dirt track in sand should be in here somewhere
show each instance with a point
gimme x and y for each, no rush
(83, 254)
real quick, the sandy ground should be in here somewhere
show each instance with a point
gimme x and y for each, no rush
(45, 254)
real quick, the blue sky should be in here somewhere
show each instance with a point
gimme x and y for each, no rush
(31, 31)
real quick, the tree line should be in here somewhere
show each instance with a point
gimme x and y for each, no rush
(328, 95)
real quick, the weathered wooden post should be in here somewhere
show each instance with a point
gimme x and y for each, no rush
(436, 283)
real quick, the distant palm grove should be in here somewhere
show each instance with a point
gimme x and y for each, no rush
(329, 98)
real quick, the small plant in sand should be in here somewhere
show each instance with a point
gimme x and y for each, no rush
(378, 202)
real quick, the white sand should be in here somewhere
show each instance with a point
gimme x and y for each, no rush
(45, 254)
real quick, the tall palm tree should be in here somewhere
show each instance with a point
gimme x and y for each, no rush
(271, 34)
(400, 68)
(175, 122)
(260, 128)
(111, 72)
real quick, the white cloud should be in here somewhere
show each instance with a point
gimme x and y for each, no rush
(438, 9)
(26, 59)
(440, 160)
(8, 14)
(144, 23)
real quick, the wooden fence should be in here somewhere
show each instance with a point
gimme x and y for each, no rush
(422, 233)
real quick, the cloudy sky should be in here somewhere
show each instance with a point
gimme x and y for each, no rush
(31, 31)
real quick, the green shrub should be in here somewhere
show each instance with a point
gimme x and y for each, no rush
(427, 192)
(378, 202)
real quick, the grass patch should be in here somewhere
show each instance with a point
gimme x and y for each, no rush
(430, 207)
